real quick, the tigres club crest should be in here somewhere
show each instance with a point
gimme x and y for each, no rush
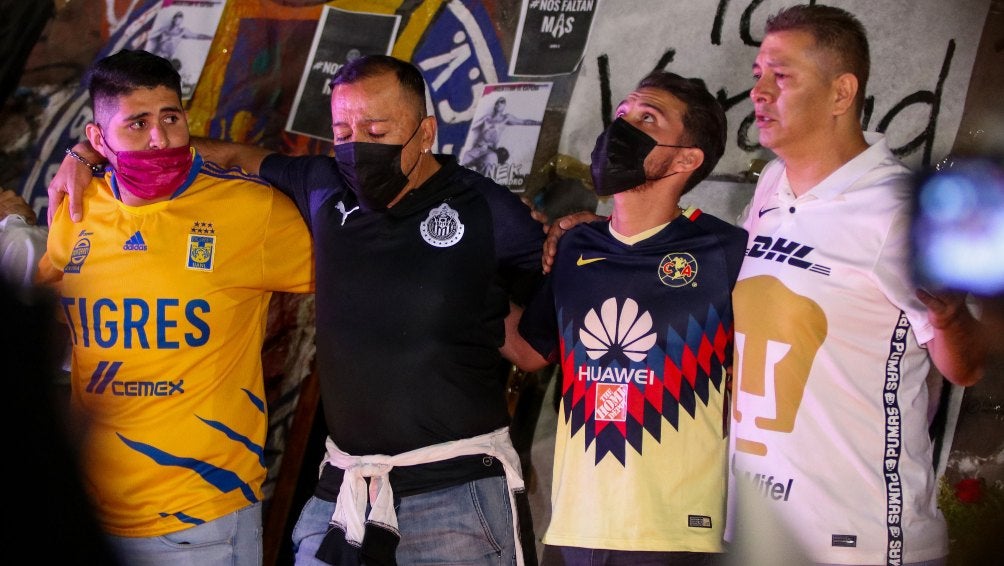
(442, 228)
(677, 269)
(201, 247)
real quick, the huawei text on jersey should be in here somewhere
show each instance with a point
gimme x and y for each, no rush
(640, 376)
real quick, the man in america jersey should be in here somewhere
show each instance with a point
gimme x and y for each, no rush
(637, 312)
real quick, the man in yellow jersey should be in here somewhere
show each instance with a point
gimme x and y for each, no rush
(165, 288)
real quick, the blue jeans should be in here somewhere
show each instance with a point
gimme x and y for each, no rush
(470, 523)
(231, 540)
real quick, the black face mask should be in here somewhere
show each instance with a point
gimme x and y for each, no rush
(373, 171)
(618, 160)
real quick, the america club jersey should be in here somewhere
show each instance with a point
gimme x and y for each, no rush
(644, 334)
(166, 308)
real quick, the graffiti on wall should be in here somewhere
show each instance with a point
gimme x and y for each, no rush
(923, 51)
(922, 54)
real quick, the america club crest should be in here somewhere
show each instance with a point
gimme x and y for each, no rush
(677, 269)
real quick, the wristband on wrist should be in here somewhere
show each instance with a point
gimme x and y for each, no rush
(94, 168)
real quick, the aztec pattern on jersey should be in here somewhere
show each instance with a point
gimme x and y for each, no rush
(676, 374)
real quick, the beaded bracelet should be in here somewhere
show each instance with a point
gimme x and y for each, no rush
(77, 156)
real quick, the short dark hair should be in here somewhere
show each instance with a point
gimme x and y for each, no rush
(704, 123)
(836, 31)
(129, 70)
(367, 66)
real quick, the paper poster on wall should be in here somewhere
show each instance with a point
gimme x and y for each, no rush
(340, 37)
(551, 36)
(182, 33)
(503, 135)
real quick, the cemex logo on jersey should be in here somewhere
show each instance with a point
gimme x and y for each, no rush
(103, 382)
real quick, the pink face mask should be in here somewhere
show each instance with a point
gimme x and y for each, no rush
(151, 174)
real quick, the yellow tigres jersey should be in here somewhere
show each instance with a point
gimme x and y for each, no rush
(166, 305)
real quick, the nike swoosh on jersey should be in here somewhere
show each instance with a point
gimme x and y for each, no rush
(765, 211)
(582, 261)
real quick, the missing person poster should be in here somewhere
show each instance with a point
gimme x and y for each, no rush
(503, 135)
(551, 36)
(182, 33)
(341, 36)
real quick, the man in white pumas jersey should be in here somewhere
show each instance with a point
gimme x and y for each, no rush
(829, 436)
(165, 287)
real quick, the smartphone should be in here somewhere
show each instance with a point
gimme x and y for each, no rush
(957, 230)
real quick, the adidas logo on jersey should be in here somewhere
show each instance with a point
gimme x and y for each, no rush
(135, 242)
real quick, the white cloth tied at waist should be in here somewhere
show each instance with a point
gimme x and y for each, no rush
(350, 507)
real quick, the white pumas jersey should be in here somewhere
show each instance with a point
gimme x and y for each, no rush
(829, 420)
